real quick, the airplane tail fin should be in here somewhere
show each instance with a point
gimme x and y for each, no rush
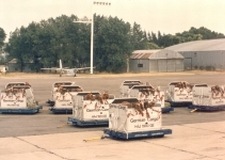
(60, 64)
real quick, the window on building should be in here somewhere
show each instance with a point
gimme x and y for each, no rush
(195, 54)
(140, 65)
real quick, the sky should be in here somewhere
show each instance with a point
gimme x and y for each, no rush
(166, 16)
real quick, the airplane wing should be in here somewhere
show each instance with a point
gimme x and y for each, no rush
(64, 70)
(82, 69)
(52, 69)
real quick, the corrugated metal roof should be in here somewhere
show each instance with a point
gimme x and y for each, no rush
(201, 45)
(142, 54)
(155, 54)
(146, 51)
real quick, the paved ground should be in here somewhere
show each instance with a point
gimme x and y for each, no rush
(45, 122)
(47, 136)
(200, 141)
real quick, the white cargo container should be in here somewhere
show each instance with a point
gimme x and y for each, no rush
(64, 98)
(145, 92)
(18, 99)
(208, 98)
(55, 89)
(90, 108)
(179, 94)
(12, 84)
(130, 118)
(126, 85)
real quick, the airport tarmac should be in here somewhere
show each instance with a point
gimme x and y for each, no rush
(196, 136)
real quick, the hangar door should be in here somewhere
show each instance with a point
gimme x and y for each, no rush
(166, 65)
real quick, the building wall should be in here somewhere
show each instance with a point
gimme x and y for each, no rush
(156, 65)
(139, 65)
(166, 65)
(209, 60)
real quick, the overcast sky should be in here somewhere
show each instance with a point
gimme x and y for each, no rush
(167, 16)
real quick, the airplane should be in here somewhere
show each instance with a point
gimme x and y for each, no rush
(66, 71)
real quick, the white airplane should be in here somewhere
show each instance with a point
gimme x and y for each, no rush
(65, 71)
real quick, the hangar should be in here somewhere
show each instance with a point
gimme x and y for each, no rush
(156, 61)
(202, 54)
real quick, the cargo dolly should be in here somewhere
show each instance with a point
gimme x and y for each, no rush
(20, 110)
(85, 123)
(90, 109)
(134, 135)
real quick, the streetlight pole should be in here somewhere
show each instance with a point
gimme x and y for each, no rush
(92, 43)
(92, 33)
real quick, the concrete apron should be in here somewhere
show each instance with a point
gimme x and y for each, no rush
(202, 141)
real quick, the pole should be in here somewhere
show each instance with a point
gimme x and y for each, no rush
(92, 33)
(92, 44)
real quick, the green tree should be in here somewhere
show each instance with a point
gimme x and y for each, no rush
(46, 42)
(14, 47)
(168, 40)
(2, 37)
(193, 34)
(206, 33)
(138, 38)
(112, 44)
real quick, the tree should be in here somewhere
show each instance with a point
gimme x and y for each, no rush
(2, 37)
(112, 44)
(168, 40)
(13, 47)
(138, 38)
(46, 42)
(206, 33)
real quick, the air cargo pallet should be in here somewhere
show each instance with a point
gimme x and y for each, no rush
(179, 104)
(207, 108)
(80, 123)
(60, 110)
(20, 110)
(135, 135)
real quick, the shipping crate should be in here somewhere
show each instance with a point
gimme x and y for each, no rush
(179, 94)
(90, 108)
(18, 98)
(129, 118)
(64, 98)
(14, 84)
(208, 98)
(55, 89)
(126, 85)
(147, 92)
